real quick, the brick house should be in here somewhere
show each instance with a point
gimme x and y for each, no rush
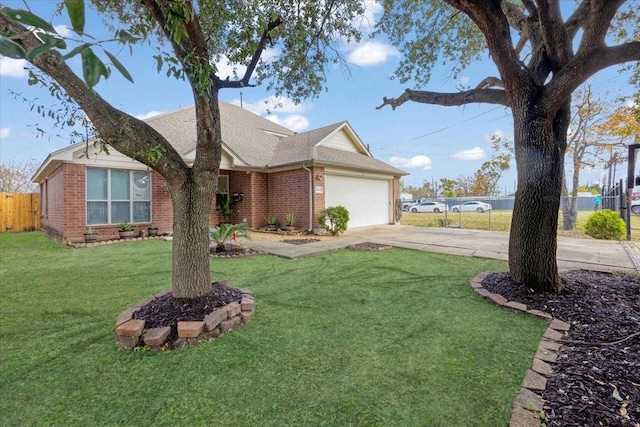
(266, 168)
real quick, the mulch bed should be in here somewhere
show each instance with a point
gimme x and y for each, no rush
(370, 246)
(299, 241)
(233, 251)
(596, 380)
(168, 311)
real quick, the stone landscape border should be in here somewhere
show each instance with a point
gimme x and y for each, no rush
(527, 410)
(131, 333)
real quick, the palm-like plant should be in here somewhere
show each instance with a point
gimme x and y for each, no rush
(226, 232)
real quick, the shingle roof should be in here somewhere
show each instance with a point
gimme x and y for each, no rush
(259, 142)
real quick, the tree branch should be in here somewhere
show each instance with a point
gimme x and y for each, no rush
(244, 82)
(487, 96)
(598, 22)
(127, 134)
(554, 34)
(583, 65)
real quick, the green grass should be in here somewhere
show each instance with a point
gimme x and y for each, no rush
(345, 338)
(499, 220)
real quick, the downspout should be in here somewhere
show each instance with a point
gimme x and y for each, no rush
(310, 197)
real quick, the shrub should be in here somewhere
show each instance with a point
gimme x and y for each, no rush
(225, 232)
(605, 224)
(334, 219)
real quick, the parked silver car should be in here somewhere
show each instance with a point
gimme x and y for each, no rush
(435, 207)
(472, 206)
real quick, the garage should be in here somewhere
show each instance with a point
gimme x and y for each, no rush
(368, 199)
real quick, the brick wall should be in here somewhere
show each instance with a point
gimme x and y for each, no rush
(53, 220)
(289, 192)
(318, 198)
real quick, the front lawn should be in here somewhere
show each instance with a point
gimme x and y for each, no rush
(345, 338)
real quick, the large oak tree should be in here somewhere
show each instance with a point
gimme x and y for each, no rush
(306, 36)
(541, 59)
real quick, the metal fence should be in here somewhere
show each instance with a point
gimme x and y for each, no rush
(498, 218)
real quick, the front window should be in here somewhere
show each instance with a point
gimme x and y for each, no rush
(118, 195)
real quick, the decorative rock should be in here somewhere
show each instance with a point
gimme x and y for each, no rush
(156, 337)
(534, 381)
(128, 333)
(497, 298)
(540, 314)
(213, 319)
(230, 324)
(482, 291)
(475, 283)
(559, 325)
(245, 316)
(131, 328)
(233, 309)
(520, 417)
(516, 305)
(125, 316)
(553, 335)
(549, 345)
(546, 355)
(247, 304)
(529, 400)
(245, 291)
(541, 367)
(190, 329)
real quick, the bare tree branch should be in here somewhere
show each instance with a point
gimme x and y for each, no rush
(554, 34)
(598, 23)
(487, 96)
(244, 82)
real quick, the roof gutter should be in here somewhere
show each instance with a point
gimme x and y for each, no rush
(310, 196)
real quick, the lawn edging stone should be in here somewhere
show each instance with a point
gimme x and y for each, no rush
(527, 409)
(131, 333)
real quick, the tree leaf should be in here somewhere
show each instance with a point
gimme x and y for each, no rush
(52, 41)
(92, 68)
(75, 9)
(35, 52)
(119, 66)
(76, 50)
(11, 49)
(27, 18)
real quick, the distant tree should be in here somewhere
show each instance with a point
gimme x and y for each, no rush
(541, 59)
(192, 36)
(15, 177)
(621, 128)
(582, 144)
(463, 186)
(448, 187)
(485, 179)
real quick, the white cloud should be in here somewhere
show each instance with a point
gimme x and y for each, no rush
(12, 67)
(5, 132)
(463, 80)
(272, 104)
(415, 162)
(63, 30)
(371, 53)
(475, 153)
(295, 122)
(148, 115)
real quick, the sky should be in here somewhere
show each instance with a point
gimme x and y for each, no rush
(429, 142)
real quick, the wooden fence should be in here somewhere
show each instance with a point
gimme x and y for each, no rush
(19, 212)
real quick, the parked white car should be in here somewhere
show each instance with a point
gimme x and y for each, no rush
(635, 206)
(435, 207)
(472, 206)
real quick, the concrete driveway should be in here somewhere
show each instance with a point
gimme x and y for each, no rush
(573, 253)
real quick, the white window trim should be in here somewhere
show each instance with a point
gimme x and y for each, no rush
(109, 200)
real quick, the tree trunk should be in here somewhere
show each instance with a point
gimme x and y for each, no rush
(191, 273)
(570, 204)
(540, 144)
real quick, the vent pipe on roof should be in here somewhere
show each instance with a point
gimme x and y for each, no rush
(241, 100)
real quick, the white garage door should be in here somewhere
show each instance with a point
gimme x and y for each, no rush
(367, 200)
